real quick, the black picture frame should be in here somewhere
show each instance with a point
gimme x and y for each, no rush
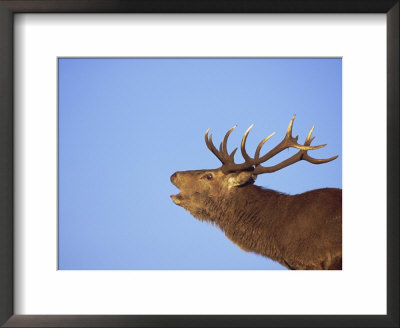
(10, 7)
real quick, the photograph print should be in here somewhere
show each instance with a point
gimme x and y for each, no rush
(199, 164)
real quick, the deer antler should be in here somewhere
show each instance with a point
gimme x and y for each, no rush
(227, 160)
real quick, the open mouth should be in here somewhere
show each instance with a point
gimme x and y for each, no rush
(177, 196)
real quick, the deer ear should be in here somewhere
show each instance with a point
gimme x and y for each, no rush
(242, 179)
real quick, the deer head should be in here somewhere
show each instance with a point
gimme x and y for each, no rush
(199, 186)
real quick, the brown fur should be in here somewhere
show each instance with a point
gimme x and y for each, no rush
(300, 232)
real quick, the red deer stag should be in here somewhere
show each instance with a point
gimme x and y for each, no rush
(301, 231)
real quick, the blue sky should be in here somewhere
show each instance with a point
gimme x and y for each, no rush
(127, 124)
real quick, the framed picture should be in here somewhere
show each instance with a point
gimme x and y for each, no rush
(99, 111)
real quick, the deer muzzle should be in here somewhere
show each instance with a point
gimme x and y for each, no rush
(178, 197)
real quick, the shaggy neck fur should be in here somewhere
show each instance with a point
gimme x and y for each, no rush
(299, 231)
(242, 216)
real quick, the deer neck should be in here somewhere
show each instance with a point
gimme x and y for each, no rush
(248, 218)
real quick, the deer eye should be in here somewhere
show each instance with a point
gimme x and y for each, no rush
(208, 176)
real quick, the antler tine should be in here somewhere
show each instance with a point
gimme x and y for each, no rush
(211, 146)
(306, 145)
(257, 154)
(232, 155)
(308, 140)
(300, 155)
(289, 129)
(287, 142)
(292, 142)
(246, 157)
(224, 147)
(225, 158)
(310, 159)
(229, 165)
